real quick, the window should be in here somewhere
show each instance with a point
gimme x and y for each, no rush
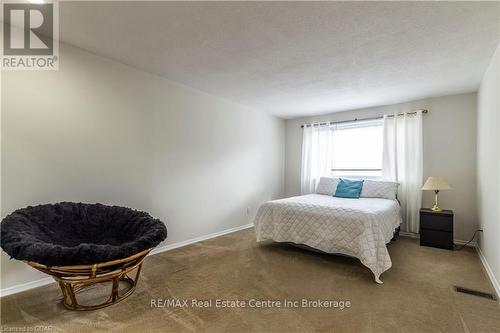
(357, 149)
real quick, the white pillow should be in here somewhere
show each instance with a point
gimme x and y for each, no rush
(327, 185)
(379, 189)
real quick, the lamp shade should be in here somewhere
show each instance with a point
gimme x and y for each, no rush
(436, 183)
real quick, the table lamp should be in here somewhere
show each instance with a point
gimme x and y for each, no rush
(436, 184)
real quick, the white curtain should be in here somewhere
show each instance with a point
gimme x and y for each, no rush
(316, 156)
(402, 162)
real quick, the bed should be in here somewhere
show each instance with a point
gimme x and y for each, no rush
(359, 228)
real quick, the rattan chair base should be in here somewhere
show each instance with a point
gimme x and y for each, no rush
(76, 279)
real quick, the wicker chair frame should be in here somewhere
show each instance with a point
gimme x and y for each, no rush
(74, 279)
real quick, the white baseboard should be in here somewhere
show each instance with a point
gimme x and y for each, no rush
(408, 234)
(45, 281)
(462, 242)
(26, 286)
(455, 241)
(199, 239)
(489, 271)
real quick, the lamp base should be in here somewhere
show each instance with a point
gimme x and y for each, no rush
(436, 208)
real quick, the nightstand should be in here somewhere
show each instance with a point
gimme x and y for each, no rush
(436, 228)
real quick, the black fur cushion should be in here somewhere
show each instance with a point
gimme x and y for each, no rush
(69, 233)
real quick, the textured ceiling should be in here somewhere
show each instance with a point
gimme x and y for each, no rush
(296, 58)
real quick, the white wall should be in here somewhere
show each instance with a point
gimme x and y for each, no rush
(449, 151)
(100, 131)
(488, 164)
(211, 161)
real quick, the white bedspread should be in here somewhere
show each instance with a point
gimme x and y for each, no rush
(359, 228)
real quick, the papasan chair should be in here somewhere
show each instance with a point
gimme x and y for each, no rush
(82, 245)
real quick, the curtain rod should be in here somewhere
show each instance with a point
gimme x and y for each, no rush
(360, 119)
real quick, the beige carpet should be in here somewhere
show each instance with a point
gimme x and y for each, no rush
(417, 294)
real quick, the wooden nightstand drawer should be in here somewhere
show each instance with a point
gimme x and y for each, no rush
(436, 228)
(437, 222)
(435, 238)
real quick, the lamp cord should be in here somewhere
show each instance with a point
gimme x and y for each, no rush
(473, 236)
